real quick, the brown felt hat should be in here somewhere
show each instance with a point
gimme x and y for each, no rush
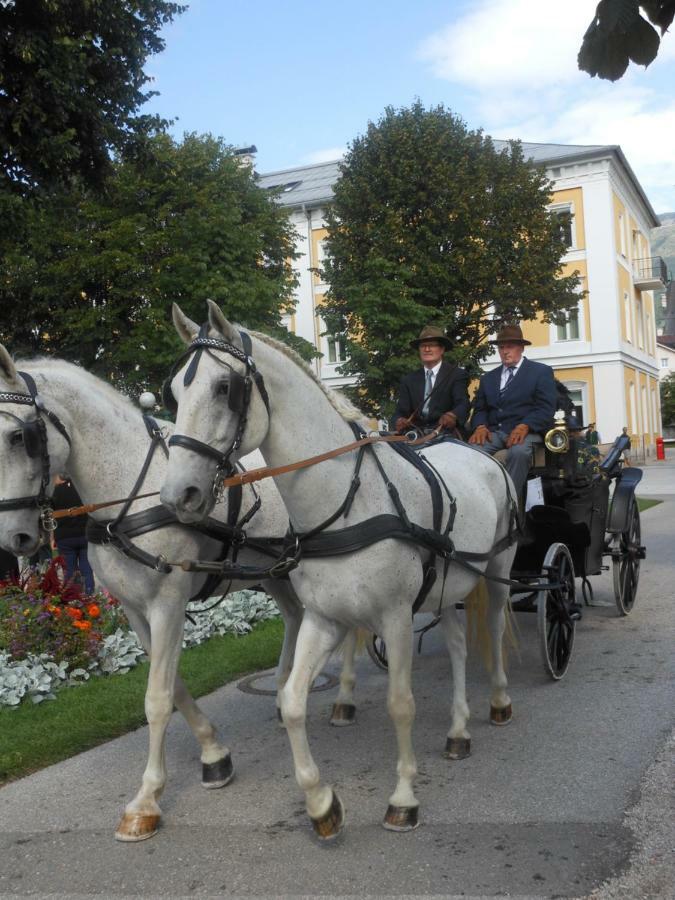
(432, 333)
(511, 333)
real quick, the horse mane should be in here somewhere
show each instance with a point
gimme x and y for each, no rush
(45, 363)
(338, 401)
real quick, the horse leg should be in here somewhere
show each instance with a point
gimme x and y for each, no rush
(402, 812)
(215, 758)
(141, 816)
(458, 739)
(291, 611)
(344, 708)
(318, 637)
(498, 598)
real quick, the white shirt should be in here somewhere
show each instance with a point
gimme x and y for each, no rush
(434, 373)
(505, 372)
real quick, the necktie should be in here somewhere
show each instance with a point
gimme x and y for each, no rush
(427, 391)
(511, 371)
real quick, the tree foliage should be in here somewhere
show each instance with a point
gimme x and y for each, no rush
(72, 83)
(619, 34)
(92, 277)
(430, 224)
(667, 388)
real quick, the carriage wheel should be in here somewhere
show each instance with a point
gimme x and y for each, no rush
(556, 628)
(377, 651)
(626, 555)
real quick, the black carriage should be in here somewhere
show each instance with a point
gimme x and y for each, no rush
(587, 513)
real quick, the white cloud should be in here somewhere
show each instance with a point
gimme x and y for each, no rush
(518, 58)
(328, 154)
(510, 42)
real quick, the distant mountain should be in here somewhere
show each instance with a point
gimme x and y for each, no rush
(663, 244)
(667, 218)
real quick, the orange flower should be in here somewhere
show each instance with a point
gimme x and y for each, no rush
(74, 612)
(56, 610)
(93, 611)
(83, 626)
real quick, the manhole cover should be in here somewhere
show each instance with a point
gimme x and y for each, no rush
(265, 683)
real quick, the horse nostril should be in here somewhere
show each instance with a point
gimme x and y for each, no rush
(23, 544)
(192, 499)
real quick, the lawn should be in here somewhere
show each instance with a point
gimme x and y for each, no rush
(35, 736)
(644, 503)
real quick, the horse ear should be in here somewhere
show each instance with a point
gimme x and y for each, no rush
(186, 328)
(218, 322)
(7, 367)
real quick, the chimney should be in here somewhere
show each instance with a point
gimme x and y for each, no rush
(246, 155)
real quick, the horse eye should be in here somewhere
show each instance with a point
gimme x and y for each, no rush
(223, 388)
(16, 439)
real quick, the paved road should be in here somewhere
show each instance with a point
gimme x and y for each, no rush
(539, 810)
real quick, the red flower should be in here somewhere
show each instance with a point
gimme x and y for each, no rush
(83, 626)
(93, 611)
(74, 612)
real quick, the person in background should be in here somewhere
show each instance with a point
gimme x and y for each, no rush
(592, 436)
(9, 566)
(70, 535)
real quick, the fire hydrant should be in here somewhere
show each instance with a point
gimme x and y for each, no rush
(660, 449)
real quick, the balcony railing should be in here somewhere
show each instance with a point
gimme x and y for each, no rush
(650, 274)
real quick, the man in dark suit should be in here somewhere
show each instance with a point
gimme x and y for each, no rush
(514, 405)
(435, 395)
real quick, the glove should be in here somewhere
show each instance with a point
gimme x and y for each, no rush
(447, 420)
(480, 435)
(518, 435)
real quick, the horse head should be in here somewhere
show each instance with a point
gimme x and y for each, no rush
(221, 412)
(31, 452)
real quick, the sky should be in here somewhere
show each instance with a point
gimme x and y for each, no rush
(301, 79)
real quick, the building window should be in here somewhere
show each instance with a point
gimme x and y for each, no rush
(640, 325)
(565, 218)
(627, 317)
(664, 362)
(622, 235)
(570, 330)
(578, 391)
(334, 346)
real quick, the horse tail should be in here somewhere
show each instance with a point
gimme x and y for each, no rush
(476, 605)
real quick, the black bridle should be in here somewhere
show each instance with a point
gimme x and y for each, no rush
(35, 442)
(239, 390)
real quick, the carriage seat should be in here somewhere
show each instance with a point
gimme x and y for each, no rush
(538, 457)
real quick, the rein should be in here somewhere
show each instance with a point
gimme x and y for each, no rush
(241, 478)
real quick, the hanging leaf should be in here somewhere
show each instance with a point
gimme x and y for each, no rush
(644, 43)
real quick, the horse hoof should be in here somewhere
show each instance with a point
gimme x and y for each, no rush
(136, 827)
(331, 823)
(457, 748)
(343, 714)
(501, 715)
(217, 774)
(401, 818)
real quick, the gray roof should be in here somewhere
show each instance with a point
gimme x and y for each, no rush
(312, 186)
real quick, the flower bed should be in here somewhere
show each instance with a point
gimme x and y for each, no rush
(52, 636)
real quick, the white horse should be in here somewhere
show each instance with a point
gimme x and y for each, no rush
(109, 446)
(292, 417)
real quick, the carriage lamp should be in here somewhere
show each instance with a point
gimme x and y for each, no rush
(557, 440)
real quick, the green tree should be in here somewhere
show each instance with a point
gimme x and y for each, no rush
(430, 224)
(619, 34)
(72, 83)
(667, 388)
(91, 277)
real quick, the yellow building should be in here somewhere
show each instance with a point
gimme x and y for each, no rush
(606, 352)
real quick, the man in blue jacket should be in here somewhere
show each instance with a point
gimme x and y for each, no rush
(514, 405)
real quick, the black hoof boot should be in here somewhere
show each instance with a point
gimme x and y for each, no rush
(457, 748)
(217, 774)
(401, 818)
